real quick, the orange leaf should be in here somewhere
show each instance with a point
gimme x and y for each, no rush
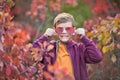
(6, 57)
(15, 61)
(47, 75)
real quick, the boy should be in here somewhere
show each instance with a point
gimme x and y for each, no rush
(67, 52)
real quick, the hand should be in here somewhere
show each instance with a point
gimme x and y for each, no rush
(80, 32)
(49, 32)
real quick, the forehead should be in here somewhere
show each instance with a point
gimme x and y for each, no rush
(66, 24)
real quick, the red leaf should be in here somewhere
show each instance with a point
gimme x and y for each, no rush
(22, 67)
(7, 58)
(22, 78)
(51, 54)
(1, 53)
(8, 70)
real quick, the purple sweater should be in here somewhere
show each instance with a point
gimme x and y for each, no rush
(80, 53)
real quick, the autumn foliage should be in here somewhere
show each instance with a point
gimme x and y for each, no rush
(19, 61)
(104, 7)
(106, 33)
(39, 8)
(14, 47)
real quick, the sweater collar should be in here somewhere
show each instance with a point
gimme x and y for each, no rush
(68, 44)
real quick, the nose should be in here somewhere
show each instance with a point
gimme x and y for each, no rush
(64, 30)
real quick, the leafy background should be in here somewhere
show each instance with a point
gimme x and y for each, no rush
(22, 22)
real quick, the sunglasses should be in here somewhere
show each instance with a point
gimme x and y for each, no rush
(69, 30)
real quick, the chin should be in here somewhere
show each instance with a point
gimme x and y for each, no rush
(64, 41)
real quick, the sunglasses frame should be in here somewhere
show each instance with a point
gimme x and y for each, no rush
(69, 30)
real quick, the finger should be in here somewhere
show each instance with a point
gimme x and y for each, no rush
(54, 33)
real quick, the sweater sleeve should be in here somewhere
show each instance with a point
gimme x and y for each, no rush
(41, 40)
(91, 52)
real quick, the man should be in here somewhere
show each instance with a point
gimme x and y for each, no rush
(68, 53)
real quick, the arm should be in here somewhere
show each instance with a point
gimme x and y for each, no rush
(48, 33)
(39, 46)
(41, 40)
(91, 52)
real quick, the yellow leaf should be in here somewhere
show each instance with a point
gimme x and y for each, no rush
(115, 29)
(105, 49)
(35, 50)
(103, 28)
(106, 40)
(116, 22)
(89, 34)
(100, 37)
(99, 45)
(29, 45)
(104, 22)
(113, 58)
(50, 47)
(98, 26)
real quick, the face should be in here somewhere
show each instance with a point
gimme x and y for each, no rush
(64, 31)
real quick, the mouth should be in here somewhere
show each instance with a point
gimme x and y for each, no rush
(64, 36)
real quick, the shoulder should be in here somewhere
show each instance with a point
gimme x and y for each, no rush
(74, 43)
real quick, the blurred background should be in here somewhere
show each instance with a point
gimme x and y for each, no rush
(23, 21)
(40, 14)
